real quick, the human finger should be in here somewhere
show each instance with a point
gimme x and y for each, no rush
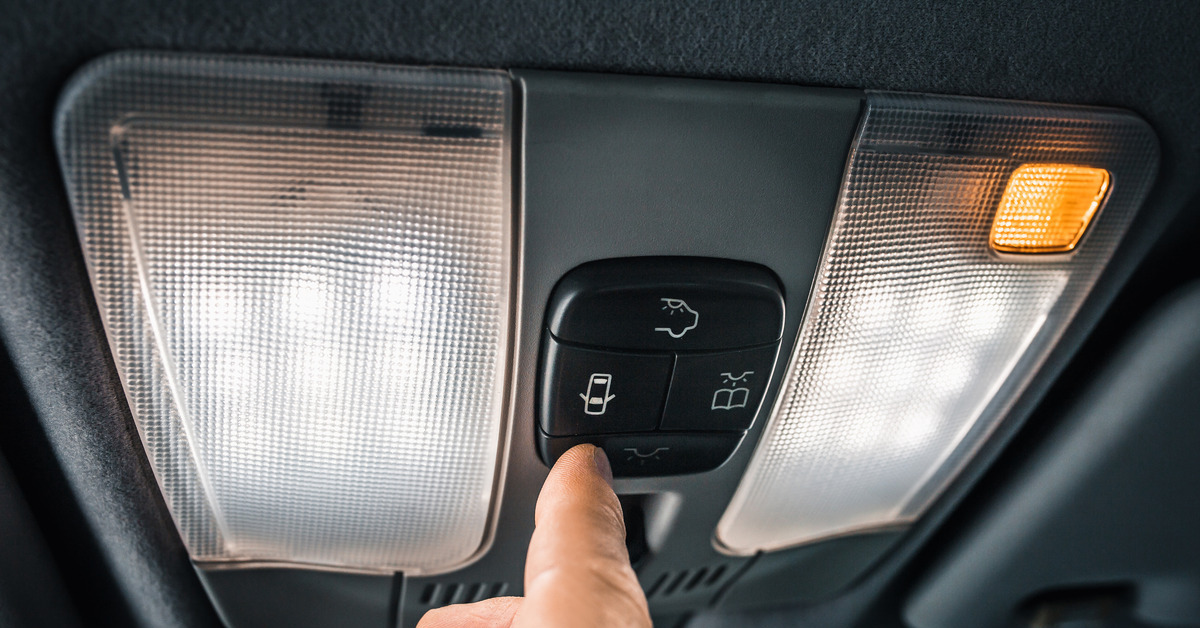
(496, 612)
(577, 571)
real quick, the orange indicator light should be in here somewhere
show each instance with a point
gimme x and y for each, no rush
(1046, 208)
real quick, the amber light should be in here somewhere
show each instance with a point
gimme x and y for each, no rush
(1046, 208)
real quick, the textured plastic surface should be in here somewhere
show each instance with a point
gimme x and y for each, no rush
(301, 598)
(667, 304)
(304, 273)
(1107, 497)
(917, 338)
(1046, 208)
(754, 172)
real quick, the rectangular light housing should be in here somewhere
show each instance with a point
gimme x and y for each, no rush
(918, 337)
(304, 271)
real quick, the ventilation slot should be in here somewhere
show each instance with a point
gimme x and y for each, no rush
(438, 594)
(686, 581)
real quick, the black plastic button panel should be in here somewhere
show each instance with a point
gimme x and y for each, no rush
(641, 455)
(601, 392)
(670, 304)
(718, 391)
(663, 362)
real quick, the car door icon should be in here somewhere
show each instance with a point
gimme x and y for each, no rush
(595, 400)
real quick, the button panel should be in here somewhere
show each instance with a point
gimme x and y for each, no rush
(662, 362)
(718, 391)
(669, 304)
(599, 392)
(641, 455)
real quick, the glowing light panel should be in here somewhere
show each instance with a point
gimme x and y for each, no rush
(917, 338)
(1046, 208)
(304, 271)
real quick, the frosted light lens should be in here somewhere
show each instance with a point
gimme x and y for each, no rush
(1046, 208)
(304, 271)
(917, 338)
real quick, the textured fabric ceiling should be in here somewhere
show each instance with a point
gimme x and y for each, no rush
(1140, 56)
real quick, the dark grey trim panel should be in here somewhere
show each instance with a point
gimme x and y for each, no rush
(32, 592)
(299, 598)
(809, 573)
(619, 166)
(1109, 498)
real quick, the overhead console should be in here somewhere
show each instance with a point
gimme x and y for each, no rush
(792, 317)
(662, 362)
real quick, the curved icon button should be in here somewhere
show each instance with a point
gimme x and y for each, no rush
(683, 318)
(649, 455)
(718, 391)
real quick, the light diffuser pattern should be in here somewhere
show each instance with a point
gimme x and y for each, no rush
(1046, 208)
(304, 271)
(917, 337)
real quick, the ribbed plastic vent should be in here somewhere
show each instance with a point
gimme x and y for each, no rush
(439, 594)
(673, 583)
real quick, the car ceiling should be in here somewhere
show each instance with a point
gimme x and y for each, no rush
(1138, 56)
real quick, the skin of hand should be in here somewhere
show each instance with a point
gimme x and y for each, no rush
(577, 571)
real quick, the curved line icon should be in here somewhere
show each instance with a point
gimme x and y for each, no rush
(679, 306)
(635, 454)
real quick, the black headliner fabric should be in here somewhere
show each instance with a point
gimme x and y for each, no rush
(1140, 56)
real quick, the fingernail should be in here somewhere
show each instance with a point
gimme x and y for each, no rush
(602, 466)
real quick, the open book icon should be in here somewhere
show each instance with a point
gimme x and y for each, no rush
(731, 398)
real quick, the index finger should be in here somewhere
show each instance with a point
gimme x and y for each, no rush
(577, 572)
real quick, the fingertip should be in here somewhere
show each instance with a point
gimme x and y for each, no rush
(577, 556)
(582, 472)
(602, 465)
(579, 456)
(581, 464)
(578, 493)
(491, 613)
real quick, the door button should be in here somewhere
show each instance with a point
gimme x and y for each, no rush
(598, 392)
(718, 391)
(642, 455)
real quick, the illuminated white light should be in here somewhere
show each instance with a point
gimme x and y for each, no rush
(304, 271)
(917, 337)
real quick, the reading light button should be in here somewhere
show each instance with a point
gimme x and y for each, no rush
(598, 392)
(718, 391)
(667, 304)
(642, 455)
